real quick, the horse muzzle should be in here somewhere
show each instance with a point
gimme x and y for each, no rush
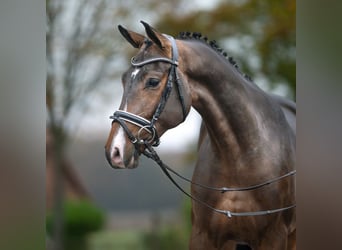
(119, 151)
(119, 159)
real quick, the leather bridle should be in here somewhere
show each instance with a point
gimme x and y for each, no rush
(122, 117)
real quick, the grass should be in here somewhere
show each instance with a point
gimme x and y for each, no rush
(166, 238)
(116, 240)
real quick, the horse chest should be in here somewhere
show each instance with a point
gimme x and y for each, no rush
(234, 202)
(220, 231)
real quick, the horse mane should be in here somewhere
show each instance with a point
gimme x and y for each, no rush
(186, 35)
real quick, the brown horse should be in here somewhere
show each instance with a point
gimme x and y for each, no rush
(247, 137)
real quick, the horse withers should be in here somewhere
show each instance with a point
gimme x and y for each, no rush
(247, 138)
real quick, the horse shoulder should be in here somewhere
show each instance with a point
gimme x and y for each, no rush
(289, 109)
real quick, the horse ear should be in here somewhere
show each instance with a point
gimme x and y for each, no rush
(154, 35)
(132, 37)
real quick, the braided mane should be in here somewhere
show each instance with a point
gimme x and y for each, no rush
(213, 44)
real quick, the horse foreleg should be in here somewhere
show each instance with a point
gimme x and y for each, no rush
(273, 240)
(200, 241)
(291, 243)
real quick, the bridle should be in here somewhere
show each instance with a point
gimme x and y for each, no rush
(122, 117)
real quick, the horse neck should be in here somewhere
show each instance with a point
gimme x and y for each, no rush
(237, 114)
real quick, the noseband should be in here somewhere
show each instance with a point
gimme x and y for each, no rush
(122, 117)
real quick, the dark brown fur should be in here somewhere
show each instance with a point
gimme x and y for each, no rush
(247, 137)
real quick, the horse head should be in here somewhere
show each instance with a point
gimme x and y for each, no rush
(156, 97)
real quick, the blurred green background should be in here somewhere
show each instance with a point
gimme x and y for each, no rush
(23, 68)
(101, 208)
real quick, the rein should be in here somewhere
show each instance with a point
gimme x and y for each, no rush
(154, 156)
(122, 117)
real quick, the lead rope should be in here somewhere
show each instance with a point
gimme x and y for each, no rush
(152, 154)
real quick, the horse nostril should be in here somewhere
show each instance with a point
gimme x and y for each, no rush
(116, 153)
(114, 157)
(117, 158)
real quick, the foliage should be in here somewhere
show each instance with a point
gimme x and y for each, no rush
(83, 53)
(110, 240)
(81, 217)
(264, 28)
(169, 237)
(161, 236)
(186, 216)
(83, 57)
(78, 51)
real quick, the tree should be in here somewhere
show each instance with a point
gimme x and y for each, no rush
(82, 56)
(263, 30)
(79, 52)
(83, 53)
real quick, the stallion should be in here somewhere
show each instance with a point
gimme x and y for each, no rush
(247, 138)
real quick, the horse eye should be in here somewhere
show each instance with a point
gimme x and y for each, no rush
(152, 82)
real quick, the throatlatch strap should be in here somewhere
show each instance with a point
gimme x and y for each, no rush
(175, 73)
